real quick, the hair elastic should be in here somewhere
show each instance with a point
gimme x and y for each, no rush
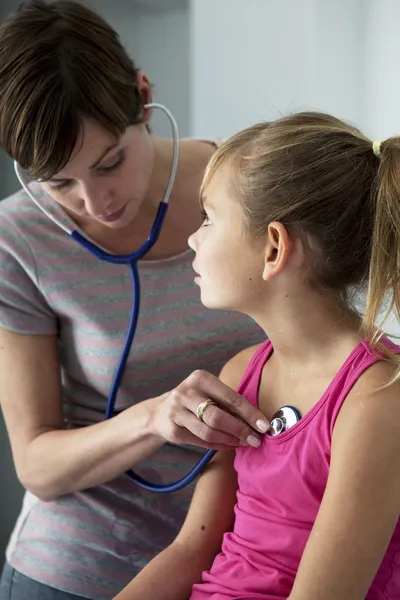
(376, 148)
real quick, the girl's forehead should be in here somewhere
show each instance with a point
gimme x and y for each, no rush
(219, 179)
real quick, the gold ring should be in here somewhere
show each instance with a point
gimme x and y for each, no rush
(202, 407)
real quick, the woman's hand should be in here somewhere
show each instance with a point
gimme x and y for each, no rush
(227, 422)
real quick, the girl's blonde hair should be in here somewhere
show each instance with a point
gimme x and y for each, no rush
(321, 178)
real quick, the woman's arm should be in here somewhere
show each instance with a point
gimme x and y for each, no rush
(171, 575)
(51, 461)
(361, 504)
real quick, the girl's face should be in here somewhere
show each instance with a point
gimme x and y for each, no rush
(229, 263)
(107, 178)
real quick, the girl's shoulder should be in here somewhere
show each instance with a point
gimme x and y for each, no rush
(234, 370)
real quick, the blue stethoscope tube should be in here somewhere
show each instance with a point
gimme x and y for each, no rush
(132, 261)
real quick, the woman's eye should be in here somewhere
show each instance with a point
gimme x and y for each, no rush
(110, 168)
(106, 169)
(62, 185)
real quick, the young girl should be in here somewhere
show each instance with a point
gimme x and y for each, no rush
(298, 213)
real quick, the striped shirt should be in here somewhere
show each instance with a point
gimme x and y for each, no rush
(93, 542)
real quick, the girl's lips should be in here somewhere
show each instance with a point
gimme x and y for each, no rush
(195, 270)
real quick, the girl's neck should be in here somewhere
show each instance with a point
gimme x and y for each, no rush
(308, 329)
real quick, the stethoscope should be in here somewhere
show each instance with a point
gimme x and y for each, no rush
(279, 422)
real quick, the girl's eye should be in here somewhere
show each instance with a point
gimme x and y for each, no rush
(206, 219)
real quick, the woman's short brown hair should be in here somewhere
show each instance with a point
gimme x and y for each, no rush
(61, 62)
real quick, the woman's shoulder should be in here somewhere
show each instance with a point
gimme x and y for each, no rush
(194, 157)
(17, 213)
(16, 199)
(184, 204)
(18, 209)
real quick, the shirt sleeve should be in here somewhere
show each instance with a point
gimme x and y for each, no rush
(23, 308)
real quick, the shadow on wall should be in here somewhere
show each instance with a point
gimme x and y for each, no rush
(11, 491)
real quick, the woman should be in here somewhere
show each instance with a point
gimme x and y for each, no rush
(73, 112)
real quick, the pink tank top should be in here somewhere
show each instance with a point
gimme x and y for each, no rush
(281, 485)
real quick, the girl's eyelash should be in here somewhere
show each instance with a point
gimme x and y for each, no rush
(109, 169)
(205, 217)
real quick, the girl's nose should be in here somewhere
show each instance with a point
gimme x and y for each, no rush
(192, 241)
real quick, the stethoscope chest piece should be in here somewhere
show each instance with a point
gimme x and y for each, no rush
(284, 419)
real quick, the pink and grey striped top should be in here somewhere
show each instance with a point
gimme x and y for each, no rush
(93, 542)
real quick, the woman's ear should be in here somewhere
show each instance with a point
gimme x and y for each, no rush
(277, 251)
(144, 89)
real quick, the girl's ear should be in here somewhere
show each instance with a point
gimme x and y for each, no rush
(277, 250)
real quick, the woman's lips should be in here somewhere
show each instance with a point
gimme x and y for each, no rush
(114, 216)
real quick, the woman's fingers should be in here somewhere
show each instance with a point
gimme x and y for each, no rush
(209, 386)
(204, 432)
(228, 420)
(185, 436)
(220, 426)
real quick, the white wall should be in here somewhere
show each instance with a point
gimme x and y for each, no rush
(382, 90)
(256, 59)
(382, 85)
(156, 34)
(339, 33)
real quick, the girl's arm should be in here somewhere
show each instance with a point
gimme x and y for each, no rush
(361, 504)
(171, 575)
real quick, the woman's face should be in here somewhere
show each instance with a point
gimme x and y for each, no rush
(107, 178)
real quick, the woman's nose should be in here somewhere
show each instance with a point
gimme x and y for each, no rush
(96, 200)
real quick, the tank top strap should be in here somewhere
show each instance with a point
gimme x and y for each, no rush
(250, 382)
(362, 357)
